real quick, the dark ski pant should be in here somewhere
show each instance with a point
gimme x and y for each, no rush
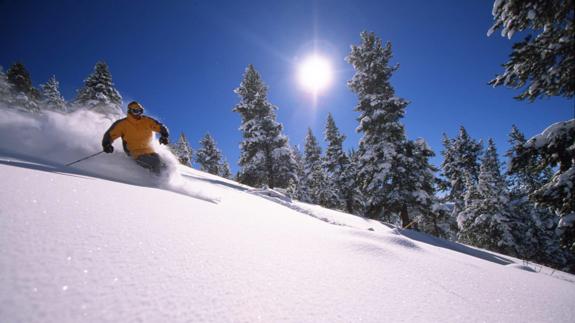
(152, 162)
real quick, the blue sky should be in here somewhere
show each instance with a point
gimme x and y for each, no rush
(183, 59)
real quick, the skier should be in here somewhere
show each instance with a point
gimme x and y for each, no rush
(137, 131)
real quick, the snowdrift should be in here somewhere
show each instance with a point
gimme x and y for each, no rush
(105, 242)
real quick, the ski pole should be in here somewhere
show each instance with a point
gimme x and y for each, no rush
(79, 160)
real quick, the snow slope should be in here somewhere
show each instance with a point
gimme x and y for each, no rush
(105, 242)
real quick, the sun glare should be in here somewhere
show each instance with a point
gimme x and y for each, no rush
(315, 74)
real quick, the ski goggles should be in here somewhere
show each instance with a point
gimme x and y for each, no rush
(136, 111)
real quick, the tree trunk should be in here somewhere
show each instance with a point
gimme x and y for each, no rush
(269, 169)
(404, 216)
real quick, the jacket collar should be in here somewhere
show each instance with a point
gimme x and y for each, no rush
(131, 118)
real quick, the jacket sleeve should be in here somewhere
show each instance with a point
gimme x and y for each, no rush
(112, 133)
(159, 127)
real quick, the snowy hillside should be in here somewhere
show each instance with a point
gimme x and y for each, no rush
(102, 241)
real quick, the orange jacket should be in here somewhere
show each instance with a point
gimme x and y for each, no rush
(136, 133)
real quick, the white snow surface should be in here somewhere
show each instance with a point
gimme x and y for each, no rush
(104, 241)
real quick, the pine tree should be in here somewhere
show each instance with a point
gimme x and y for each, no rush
(340, 171)
(544, 63)
(25, 96)
(209, 157)
(487, 221)
(336, 163)
(20, 78)
(51, 97)
(182, 150)
(529, 178)
(379, 121)
(98, 93)
(225, 170)
(334, 156)
(554, 147)
(541, 242)
(352, 185)
(419, 190)
(6, 89)
(295, 187)
(266, 158)
(315, 184)
(460, 159)
(545, 60)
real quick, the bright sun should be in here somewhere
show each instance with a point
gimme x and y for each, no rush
(315, 74)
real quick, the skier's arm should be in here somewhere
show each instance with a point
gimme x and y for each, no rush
(113, 133)
(159, 127)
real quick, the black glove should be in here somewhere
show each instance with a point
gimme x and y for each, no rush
(164, 140)
(108, 148)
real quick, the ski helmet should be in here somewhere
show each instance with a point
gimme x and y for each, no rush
(135, 108)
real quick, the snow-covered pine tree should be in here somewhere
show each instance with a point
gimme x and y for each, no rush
(336, 164)
(460, 159)
(20, 78)
(541, 241)
(379, 121)
(419, 187)
(353, 184)
(544, 64)
(554, 146)
(340, 172)
(183, 150)
(530, 177)
(51, 97)
(295, 189)
(315, 183)
(266, 158)
(26, 97)
(6, 89)
(225, 170)
(98, 93)
(487, 220)
(209, 157)
(544, 60)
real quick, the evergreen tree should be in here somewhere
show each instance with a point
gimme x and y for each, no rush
(336, 163)
(295, 187)
(51, 97)
(98, 93)
(6, 89)
(26, 97)
(544, 63)
(352, 185)
(460, 159)
(225, 170)
(334, 156)
(541, 242)
(487, 221)
(554, 147)
(20, 78)
(182, 150)
(545, 60)
(209, 157)
(419, 190)
(315, 184)
(266, 157)
(379, 121)
(529, 177)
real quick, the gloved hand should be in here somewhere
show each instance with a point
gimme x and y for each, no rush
(164, 140)
(108, 148)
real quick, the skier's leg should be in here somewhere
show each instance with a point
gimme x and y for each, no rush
(151, 162)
